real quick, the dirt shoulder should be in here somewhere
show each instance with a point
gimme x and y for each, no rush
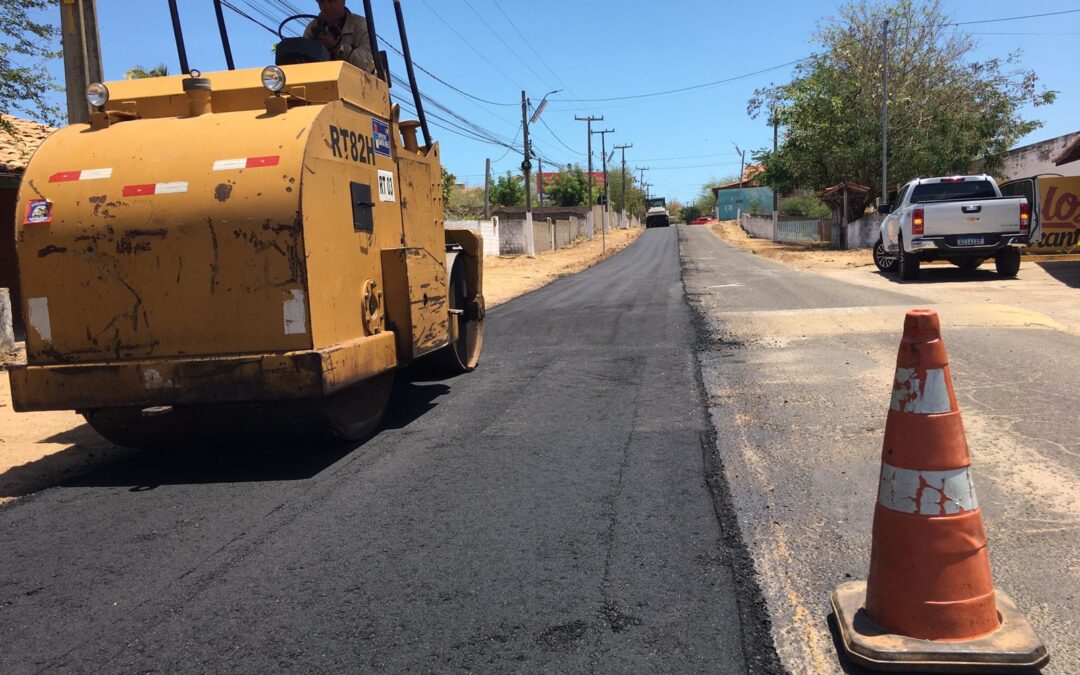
(505, 278)
(41, 449)
(1046, 284)
(803, 256)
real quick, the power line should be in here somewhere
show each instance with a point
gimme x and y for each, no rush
(531, 48)
(556, 137)
(442, 81)
(470, 45)
(684, 89)
(505, 44)
(1013, 18)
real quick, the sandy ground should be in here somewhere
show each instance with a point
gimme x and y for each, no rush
(803, 256)
(41, 449)
(507, 278)
(1046, 284)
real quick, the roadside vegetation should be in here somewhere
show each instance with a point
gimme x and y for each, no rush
(946, 108)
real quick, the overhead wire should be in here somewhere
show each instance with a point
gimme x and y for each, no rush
(470, 45)
(1013, 18)
(505, 44)
(531, 48)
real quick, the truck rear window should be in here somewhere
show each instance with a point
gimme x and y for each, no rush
(969, 189)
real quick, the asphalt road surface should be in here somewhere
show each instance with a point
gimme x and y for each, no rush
(551, 512)
(798, 370)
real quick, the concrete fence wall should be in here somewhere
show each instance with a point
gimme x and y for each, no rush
(488, 229)
(508, 236)
(758, 227)
(863, 233)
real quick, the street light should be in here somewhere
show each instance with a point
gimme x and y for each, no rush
(540, 108)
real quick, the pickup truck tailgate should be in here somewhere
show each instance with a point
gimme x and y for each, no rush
(978, 216)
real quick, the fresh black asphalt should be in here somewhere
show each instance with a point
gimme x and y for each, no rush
(551, 512)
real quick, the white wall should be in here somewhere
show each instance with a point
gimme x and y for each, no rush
(758, 226)
(488, 229)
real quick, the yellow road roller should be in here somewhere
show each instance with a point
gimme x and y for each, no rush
(240, 252)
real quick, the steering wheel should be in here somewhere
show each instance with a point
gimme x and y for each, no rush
(333, 28)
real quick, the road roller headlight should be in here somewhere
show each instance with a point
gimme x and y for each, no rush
(97, 95)
(273, 78)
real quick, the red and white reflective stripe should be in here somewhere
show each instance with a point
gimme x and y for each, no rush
(155, 189)
(246, 163)
(85, 174)
(927, 493)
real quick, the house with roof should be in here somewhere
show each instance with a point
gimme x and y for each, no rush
(745, 196)
(17, 145)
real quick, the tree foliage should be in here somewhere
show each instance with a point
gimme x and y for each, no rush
(448, 182)
(508, 190)
(141, 72)
(635, 196)
(804, 204)
(946, 109)
(571, 188)
(25, 48)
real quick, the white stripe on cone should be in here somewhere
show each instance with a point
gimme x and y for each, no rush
(927, 493)
(912, 395)
(95, 174)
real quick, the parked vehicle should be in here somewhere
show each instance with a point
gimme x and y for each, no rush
(700, 221)
(962, 219)
(1055, 211)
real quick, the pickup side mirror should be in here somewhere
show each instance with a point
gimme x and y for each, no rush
(884, 209)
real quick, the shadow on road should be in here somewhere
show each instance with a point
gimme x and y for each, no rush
(1065, 271)
(940, 274)
(261, 460)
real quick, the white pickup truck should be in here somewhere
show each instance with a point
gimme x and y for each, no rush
(962, 219)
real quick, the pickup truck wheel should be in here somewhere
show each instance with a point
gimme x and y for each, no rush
(1007, 262)
(884, 260)
(907, 264)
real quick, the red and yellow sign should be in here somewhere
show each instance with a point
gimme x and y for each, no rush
(1059, 213)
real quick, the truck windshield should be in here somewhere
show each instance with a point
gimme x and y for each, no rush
(969, 189)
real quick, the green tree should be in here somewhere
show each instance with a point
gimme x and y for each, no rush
(508, 190)
(804, 204)
(946, 108)
(448, 182)
(139, 72)
(635, 197)
(26, 46)
(691, 212)
(571, 188)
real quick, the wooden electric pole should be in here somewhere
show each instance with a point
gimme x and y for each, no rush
(623, 148)
(82, 55)
(589, 120)
(487, 189)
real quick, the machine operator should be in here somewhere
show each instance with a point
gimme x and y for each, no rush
(355, 46)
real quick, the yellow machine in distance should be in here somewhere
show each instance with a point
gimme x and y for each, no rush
(208, 253)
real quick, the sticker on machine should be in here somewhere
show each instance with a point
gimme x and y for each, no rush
(386, 186)
(38, 212)
(380, 134)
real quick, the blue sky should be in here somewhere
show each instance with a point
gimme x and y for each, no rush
(594, 49)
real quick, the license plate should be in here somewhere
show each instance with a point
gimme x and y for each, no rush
(970, 241)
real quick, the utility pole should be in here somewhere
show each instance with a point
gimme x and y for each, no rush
(623, 148)
(540, 180)
(82, 54)
(526, 164)
(604, 214)
(775, 147)
(487, 189)
(589, 120)
(885, 114)
(641, 179)
(742, 165)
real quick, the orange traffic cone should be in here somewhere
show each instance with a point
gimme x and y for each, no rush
(930, 602)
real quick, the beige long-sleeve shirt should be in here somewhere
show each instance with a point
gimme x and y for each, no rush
(355, 45)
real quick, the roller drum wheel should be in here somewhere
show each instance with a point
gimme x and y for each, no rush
(349, 415)
(466, 328)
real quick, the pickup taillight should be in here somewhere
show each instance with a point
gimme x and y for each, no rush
(1025, 217)
(917, 222)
